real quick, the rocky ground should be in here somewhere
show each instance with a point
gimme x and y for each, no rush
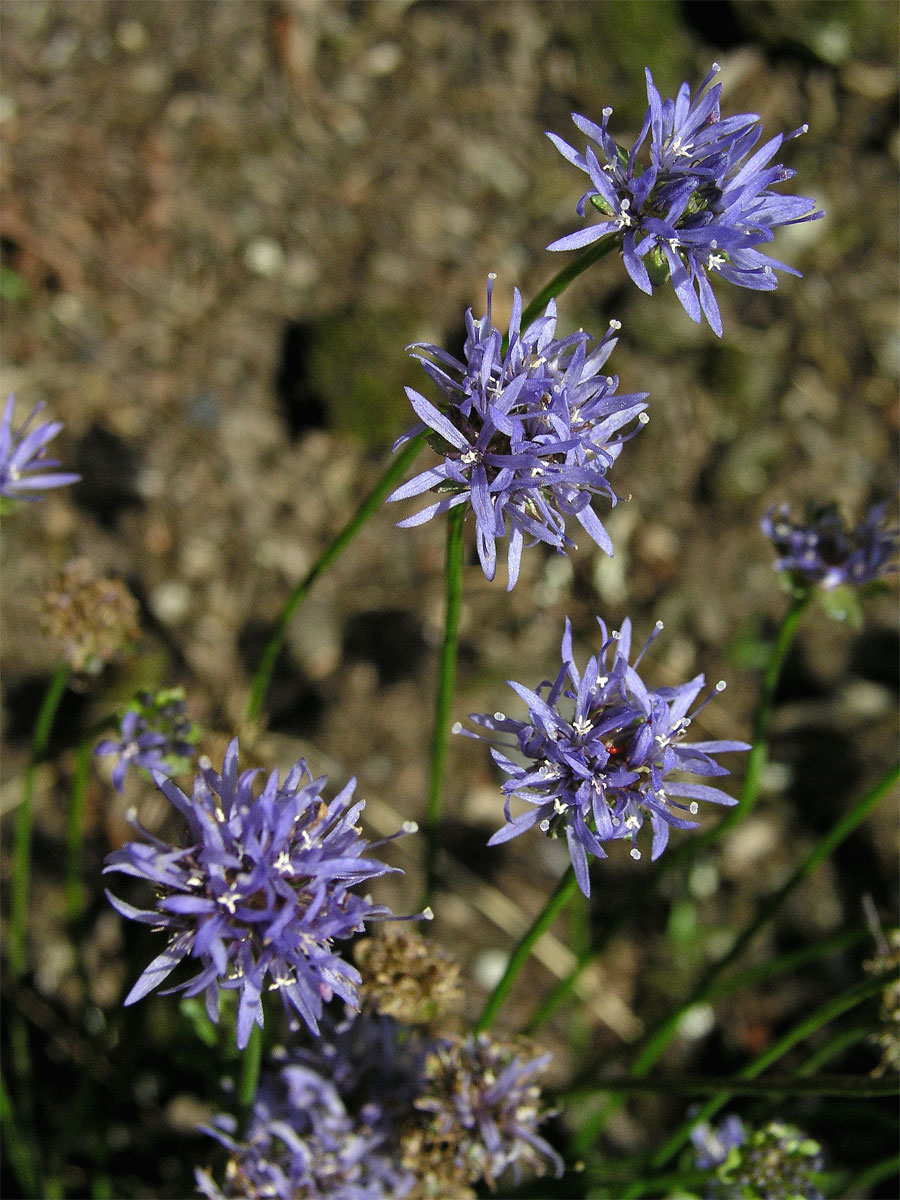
(221, 225)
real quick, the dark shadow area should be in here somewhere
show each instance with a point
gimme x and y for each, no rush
(389, 638)
(293, 704)
(23, 699)
(109, 471)
(301, 407)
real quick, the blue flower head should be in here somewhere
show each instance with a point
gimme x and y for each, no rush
(527, 432)
(698, 203)
(758, 1164)
(821, 551)
(155, 733)
(260, 893)
(25, 468)
(600, 753)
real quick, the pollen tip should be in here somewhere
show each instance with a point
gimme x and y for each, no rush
(204, 762)
(643, 419)
(410, 827)
(635, 853)
(131, 813)
(544, 826)
(716, 67)
(607, 112)
(721, 685)
(428, 914)
(693, 808)
(492, 275)
(615, 324)
(660, 625)
(456, 727)
(499, 716)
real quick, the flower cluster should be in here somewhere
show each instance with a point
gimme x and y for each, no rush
(407, 977)
(92, 618)
(375, 1110)
(528, 432)
(597, 773)
(24, 466)
(765, 1164)
(698, 205)
(820, 551)
(260, 892)
(155, 733)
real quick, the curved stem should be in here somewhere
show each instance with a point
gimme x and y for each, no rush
(332, 551)
(443, 703)
(250, 1065)
(565, 890)
(867, 1179)
(688, 850)
(659, 1038)
(21, 870)
(561, 281)
(772, 1085)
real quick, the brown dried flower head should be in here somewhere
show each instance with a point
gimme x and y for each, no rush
(92, 618)
(407, 977)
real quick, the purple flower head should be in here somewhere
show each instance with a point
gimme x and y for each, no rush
(601, 752)
(527, 433)
(698, 204)
(766, 1164)
(820, 551)
(713, 1145)
(315, 1133)
(483, 1103)
(373, 1110)
(155, 733)
(24, 466)
(260, 893)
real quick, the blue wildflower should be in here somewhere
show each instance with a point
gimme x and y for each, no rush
(599, 772)
(24, 465)
(261, 892)
(156, 734)
(373, 1110)
(771, 1163)
(527, 434)
(697, 206)
(821, 551)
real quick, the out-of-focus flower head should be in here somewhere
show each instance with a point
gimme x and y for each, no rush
(698, 205)
(260, 893)
(155, 733)
(603, 753)
(25, 468)
(821, 551)
(777, 1162)
(407, 977)
(888, 1037)
(484, 1109)
(527, 433)
(92, 618)
(305, 1138)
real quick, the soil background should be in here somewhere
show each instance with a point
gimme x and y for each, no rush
(222, 223)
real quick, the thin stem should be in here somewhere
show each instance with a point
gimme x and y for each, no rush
(772, 1085)
(332, 551)
(75, 833)
(565, 890)
(250, 1065)
(658, 1039)
(873, 1175)
(688, 850)
(18, 1150)
(443, 703)
(567, 275)
(21, 872)
(829, 1011)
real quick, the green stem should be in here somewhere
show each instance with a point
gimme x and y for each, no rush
(688, 850)
(567, 275)
(250, 1065)
(17, 1148)
(873, 1175)
(658, 1039)
(75, 833)
(565, 890)
(829, 1011)
(772, 1085)
(21, 871)
(332, 551)
(443, 703)
(772, 968)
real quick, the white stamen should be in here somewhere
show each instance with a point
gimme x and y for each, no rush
(693, 808)
(410, 827)
(499, 716)
(428, 914)
(635, 853)
(721, 685)
(544, 826)
(456, 727)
